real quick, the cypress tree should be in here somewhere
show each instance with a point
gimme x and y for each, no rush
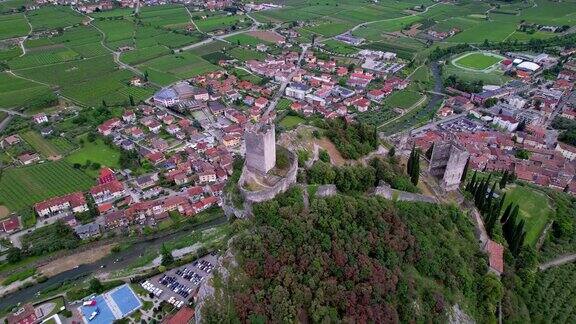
(488, 203)
(504, 180)
(429, 151)
(465, 172)
(472, 183)
(409, 165)
(414, 177)
(506, 214)
(516, 240)
(501, 203)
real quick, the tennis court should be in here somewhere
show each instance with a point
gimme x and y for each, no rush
(112, 305)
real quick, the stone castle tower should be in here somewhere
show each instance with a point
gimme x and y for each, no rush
(261, 147)
(447, 164)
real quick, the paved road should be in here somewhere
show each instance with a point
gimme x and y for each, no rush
(284, 84)
(392, 19)
(13, 112)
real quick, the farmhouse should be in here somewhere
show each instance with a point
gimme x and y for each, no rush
(40, 118)
(28, 158)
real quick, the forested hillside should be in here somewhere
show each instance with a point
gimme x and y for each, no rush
(355, 259)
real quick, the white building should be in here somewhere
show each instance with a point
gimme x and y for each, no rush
(566, 150)
(506, 122)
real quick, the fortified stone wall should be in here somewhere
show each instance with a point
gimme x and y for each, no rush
(270, 192)
(384, 190)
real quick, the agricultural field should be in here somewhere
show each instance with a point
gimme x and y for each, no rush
(210, 48)
(376, 117)
(340, 48)
(244, 54)
(221, 22)
(477, 60)
(139, 56)
(346, 11)
(15, 92)
(535, 210)
(245, 75)
(329, 29)
(173, 67)
(52, 17)
(283, 104)
(403, 99)
(41, 145)
(13, 26)
(170, 17)
(23, 187)
(245, 40)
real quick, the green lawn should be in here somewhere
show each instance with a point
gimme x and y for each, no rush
(96, 152)
(24, 186)
(404, 99)
(535, 209)
(477, 61)
(290, 122)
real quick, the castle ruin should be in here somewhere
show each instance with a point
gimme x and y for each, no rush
(447, 164)
(261, 148)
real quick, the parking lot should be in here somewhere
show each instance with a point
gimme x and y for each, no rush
(177, 286)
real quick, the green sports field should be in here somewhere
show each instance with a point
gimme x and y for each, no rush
(477, 61)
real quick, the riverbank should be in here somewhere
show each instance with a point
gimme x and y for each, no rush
(130, 252)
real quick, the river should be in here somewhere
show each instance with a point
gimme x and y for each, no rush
(126, 257)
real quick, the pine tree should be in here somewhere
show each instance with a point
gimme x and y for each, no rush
(131, 101)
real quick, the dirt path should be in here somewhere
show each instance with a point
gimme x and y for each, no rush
(4, 211)
(335, 156)
(557, 262)
(70, 262)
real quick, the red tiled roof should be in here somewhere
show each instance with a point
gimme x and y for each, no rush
(182, 316)
(495, 255)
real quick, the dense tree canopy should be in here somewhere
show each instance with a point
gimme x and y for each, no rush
(353, 140)
(354, 259)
